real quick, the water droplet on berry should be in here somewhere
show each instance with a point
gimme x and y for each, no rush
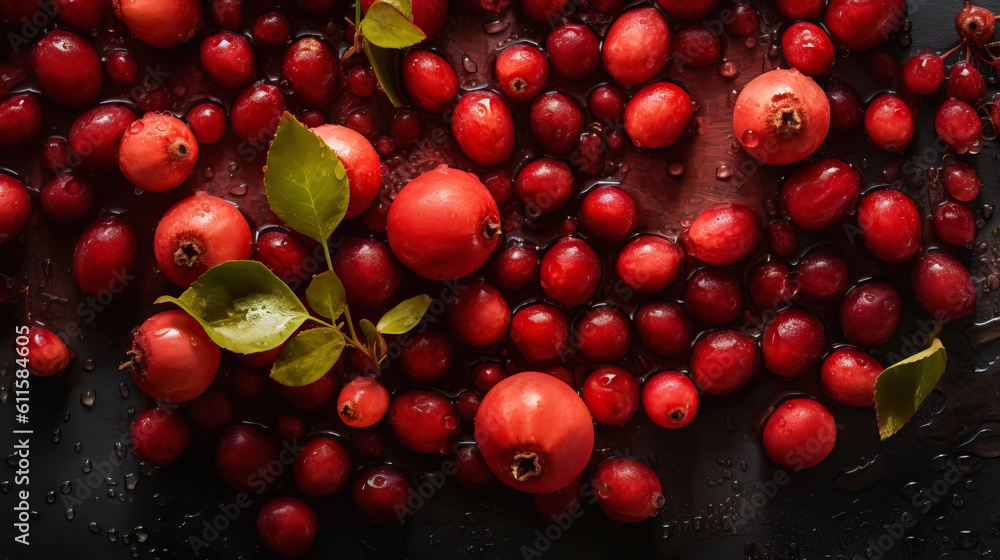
(750, 139)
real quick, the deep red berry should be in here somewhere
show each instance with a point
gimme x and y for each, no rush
(555, 122)
(467, 405)
(943, 286)
(800, 9)
(960, 180)
(799, 434)
(55, 154)
(722, 234)
(807, 48)
(479, 315)
(428, 357)
(612, 395)
(966, 83)
(603, 335)
(322, 468)
(870, 313)
(648, 264)
(160, 436)
(485, 375)
(381, 493)
(545, 186)
(627, 490)
(890, 225)
(574, 49)
(287, 526)
(609, 213)
(954, 224)
(637, 46)
(20, 119)
(207, 121)
(15, 205)
(958, 124)
(254, 117)
(370, 273)
(607, 103)
(772, 284)
(172, 359)
(881, 65)
(228, 60)
(360, 80)
(423, 421)
(658, 115)
(818, 195)
(724, 361)
(404, 127)
(430, 80)
(312, 396)
(105, 257)
(522, 72)
(824, 275)
(664, 328)
(849, 376)
(471, 470)
(243, 456)
(47, 353)
(68, 68)
(923, 74)
(87, 15)
(570, 272)
(286, 257)
(540, 332)
(212, 410)
(515, 267)
(96, 135)
(483, 128)
(670, 399)
(696, 45)
(862, 24)
(792, 343)
(714, 296)
(846, 111)
(227, 14)
(67, 198)
(782, 238)
(271, 29)
(889, 123)
(313, 69)
(744, 20)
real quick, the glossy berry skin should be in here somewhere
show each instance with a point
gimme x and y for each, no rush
(271, 29)
(889, 123)
(423, 421)
(966, 83)
(636, 47)
(68, 68)
(607, 102)
(485, 375)
(428, 357)
(381, 493)
(361, 161)
(157, 152)
(846, 111)
(483, 128)
(975, 23)
(723, 361)
(870, 313)
(85, 15)
(105, 257)
(723, 234)
(627, 490)
(800, 9)
(534, 432)
(20, 119)
(123, 68)
(570, 272)
(467, 405)
(207, 121)
(228, 60)
(954, 224)
(285, 256)
(555, 122)
(313, 69)
(849, 376)
(540, 332)
(96, 135)
(923, 74)
(360, 80)
(799, 434)
(781, 117)
(961, 181)
(657, 115)
(227, 14)
(160, 24)
(522, 72)
(198, 233)
(792, 343)
(670, 399)
(362, 402)
(544, 186)
(943, 286)
(244, 453)
(664, 328)
(824, 275)
(322, 468)
(370, 273)
(609, 214)
(696, 45)
(160, 436)
(479, 315)
(173, 360)
(574, 50)
(714, 296)
(807, 48)
(818, 195)
(47, 353)
(444, 224)
(15, 205)
(772, 285)
(254, 117)
(890, 225)
(958, 124)
(603, 334)
(514, 268)
(862, 24)
(287, 526)
(782, 238)
(612, 395)
(67, 198)
(430, 80)
(648, 264)
(471, 470)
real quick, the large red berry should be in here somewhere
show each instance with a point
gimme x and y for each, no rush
(609, 213)
(254, 117)
(889, 123)
(627, 490)
(105, 257)
(20, 119)
(612, 395)
(649, 264)
(958, 124)
(724, 361)
(313, 70)
(664, 328)
(722, 234)
(818, 195)
(799, 434)
(227, 59)
(160, 436)
(890, 225)
(637, 46)
(430, 80)
(570, 272)
(382, 493)
(862, 24)
(522, 72)
(555, 122)
(361, 161)
(15, 205)
(792, 343)
(287, 526)
(849, 377)
(423, 421)
(157, 152)
(870, 313)
(657, 115)
(68, 68)
(923, 74)
(96, 135)
(943, 286)
(483, 128)
(574, 49)
(975, 23)
(807, 48)
(160, 24)
(670, 399)
(323, 467)
(603, 334)
(172, 359)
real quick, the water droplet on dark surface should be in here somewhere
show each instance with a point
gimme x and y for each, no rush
(123, 389)
(88, 398)
(94, 527)
(469, 65)
(494, 27)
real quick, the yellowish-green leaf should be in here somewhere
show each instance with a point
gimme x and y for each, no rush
(307, 357)
(386, 64)
(386, 26)
(242, 306)
(404, 316)
(901, 387)
(326, 295)
(404, 6)
(373, 339)
(306, 183)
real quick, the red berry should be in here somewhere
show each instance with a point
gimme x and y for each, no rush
(105, 257)
(862, 24)
(67, 198)
(362, 402)
(522, 72)
(612, 395)
(243, 456)
(574, 49)
(689, 9)
(670, 399)
(370, 273)
(743, 19)
(227, 59)
(792, 343)
(975, 24)
(782, 237)
(15, 205)
(55, 154)
(207, 121)
(289, 427)
(322, 468)
(428, 357)
(286, 526)
(444, 224)
(198, 233)
(943, 287)
(535, 433)
(423, 421)
(540, 332)
(664, 328)
(781, 117)
(20, 119)
(96, 135)
(227, 14)
(172, 359)
(846, 111)
(724, 361)
(556, 123)
(360, 80)
(483, 128)
(824, 275)
(607, 103)
(364, 170)
(285, 256)
(890, 225)
(958, 124)
(479, 315)
(807, 48)
(544, 186)
(603, 334)
(68, 68)
(800, 9)
(430, 80)
(696, 45)
(313, 70)
(722, 234)
(966, 83)
(714, 296)
(471, 470)
(772, 284)
(637, 46)
(649, 264)
(818, 195)
(157, 152)
(160, 436)
(367, 443)
(849, 375)
(485, 375)
(609, 214)
(467, 405)
(47, 353)
(87, 14)
(570, 272)
(254, 117)
(160, 24)
(212, 410)
(961, 181)
(889, 123)
(627, 490)
(870, 313)
(312, 396)
(657, 115)
(271, 29)
(382, 493)
(923, 74)
(954, 224)
(881, 65)
(515, 267)
(799, 434)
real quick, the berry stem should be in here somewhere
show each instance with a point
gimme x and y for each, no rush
(350, 327)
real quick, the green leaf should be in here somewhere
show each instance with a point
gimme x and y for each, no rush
(306, 182)
(404, 316)
(326, 295)
(901, 387)
(386, 26)
(308, 357)
(374, 339)
(404, 6)
(386, 64)
(243, 306)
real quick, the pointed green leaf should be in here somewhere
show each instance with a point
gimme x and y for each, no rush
(386, 26)
(901, 387)
(404, 316)
(373, 339)
(243, 306)
(404, 6)
(326, 295)
(306, 182)
(307, 357)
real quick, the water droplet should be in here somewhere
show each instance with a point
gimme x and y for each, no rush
(50, 497)
(966, 539)
(723, 172)
(94, 527)
(66, 487)
(239, 190)
(56, 436)
(233, 167)
(120, 449)
(131, 480)
(494, 27)
(70, 514)
(675, 168)
(140, 535)
(286, 87)
(123, 389)
(136, 126)
(78, 447)
(469, 65)
(687, 219)
(87, 466)
(89, 365)
(208, 173)
(970, 485)
(113, 535)
(957, 500)
(88, 398)
(729, 69)
(751, 42)
(750, 139)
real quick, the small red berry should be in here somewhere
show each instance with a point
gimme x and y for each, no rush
(609, 214)
(890, 225)
(382, 493)
(20, 119)
(68, 68)
(722, 234)
(849, 376)
(479, 315)
(483, 128)
(975, 23)
(423, 421)
(966, 83)
(271, 29)
(943, 287)
(370, 273)
(649, 264)
(637, 46)
(105, 257)
(15, 205)
(664, 328)
(818, 195)
(522, 72)
(160, 436)
(772, 284)
(322, 468)
(540, 332)
(471, 470)
(807, 48)
(172, 359)
(313, 69)
(603, 334)
(923, 74)
(724, 361)
(714, 296)
(67, 198)
(212, 410)
(607, 103)
(889, 123)
(792, 343)
(670, 399)
(47, 353)
(362, 402)
(657, 115)
(958, 124)
(862, 24)
(799, 434)
(824, 275)
(570, 272)
(846, 111)
(208, 122)
(428, 357)
(254, 117)
(954, 224)
(96, 135)
(627, 490)
(160, 24)
(612, 395)
(870, 313)
(544, 186)
(555, 122)
(228, 60)
(574, 49)
(287, 526)
(961, 181)
(696, 45)
(515, 267)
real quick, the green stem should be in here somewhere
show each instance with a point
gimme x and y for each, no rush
(322, 322)
(326, 253)
(350, 326)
